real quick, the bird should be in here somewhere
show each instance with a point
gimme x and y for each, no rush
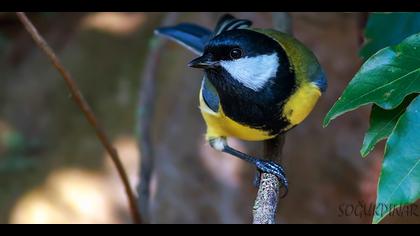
(257, 84)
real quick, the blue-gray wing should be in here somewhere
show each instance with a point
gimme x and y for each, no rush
(191, 36)
(210, 96)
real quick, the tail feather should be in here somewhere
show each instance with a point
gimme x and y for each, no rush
(228, 22)
(193, 37)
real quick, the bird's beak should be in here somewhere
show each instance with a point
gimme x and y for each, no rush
(204, 62)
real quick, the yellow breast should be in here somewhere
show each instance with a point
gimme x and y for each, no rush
(219, 125)
(301, 103)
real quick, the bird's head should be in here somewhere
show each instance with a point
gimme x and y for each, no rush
(248, 57)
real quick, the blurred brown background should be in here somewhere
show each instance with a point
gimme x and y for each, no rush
(54, 170)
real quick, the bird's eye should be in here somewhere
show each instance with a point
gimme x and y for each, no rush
(236, 53)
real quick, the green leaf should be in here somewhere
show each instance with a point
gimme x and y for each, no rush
(382, 122)
(385, 29)
(399, 182)
(384, 79)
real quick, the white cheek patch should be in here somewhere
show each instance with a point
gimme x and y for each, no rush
(253, 72)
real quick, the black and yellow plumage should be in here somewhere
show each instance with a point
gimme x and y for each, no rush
(258, 83)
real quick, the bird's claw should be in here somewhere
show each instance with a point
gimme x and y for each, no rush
(273, 168)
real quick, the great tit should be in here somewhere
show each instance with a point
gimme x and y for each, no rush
(258, 83)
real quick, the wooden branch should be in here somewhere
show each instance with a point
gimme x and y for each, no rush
(146, 105)
(265, 206)
(85, 108)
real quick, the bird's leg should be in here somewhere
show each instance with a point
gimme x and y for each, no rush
(257, 179)
(264, 166)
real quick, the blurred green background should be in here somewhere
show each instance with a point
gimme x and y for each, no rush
(54, 170)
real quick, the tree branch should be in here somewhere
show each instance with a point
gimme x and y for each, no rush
(85, 108)
(145, 116)
(265, 205)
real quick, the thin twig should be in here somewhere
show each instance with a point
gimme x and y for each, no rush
(282, 22)
(362, 22)
(85, 108)
(146, 106)
(265, 205)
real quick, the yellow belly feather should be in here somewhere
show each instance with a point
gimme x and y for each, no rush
(301, 103)
(219, 125)
(296, 109)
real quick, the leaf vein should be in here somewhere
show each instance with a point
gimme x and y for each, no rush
(380, 87)
(403, 179)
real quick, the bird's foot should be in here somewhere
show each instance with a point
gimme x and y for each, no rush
(264, 166)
